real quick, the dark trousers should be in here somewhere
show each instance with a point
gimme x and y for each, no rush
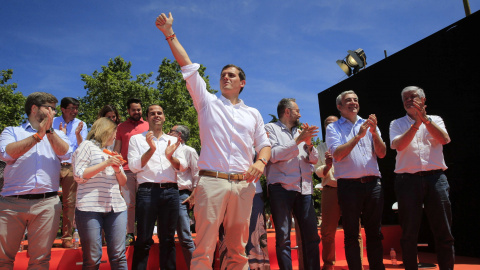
(282, 204)
(156, 204)
(362, 200)
(431, 191)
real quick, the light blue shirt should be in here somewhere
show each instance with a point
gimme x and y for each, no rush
(291, 165)
(38, 170)
(71, 127)
(362, 160)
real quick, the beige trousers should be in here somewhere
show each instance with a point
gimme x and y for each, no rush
(220, 201)
(40, 217)
(69, 198)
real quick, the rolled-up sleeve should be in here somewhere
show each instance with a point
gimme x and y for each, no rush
(281, 151)
(261, 139)
(196, 86)
(313, 155)
(64, 137)
(332, 138)
(7, 137)
(134, 155)
(180, 156)
(81, 160)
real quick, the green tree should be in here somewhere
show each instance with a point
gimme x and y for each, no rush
(114, 85)
(12, 111)
(176, 101)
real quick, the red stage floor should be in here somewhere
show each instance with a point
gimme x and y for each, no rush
(71, 259)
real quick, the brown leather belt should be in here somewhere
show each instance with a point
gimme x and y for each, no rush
(35, 196)
(362, 180)
(227, 176)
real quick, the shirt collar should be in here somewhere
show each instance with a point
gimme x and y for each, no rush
(164, 137)
(136, 122)
(27, 125)
(409, 119)
(228, 102)
(283, 126)
(343, 120)
(64, 121)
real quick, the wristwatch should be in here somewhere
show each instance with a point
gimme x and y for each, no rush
(50, 130)
(429, 121)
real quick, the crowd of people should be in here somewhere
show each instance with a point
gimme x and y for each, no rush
(118, 175)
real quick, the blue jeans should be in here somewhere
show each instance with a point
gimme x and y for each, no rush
(90, 225)
(161, 205)
(183, 228)
(362, 200)
(283, 203)
(432, 191)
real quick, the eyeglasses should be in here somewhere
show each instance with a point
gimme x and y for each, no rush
(73, 108)
(51, 107)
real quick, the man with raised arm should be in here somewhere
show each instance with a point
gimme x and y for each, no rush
(355, 144)
(228, 130)
(33, 152)
(420, 178)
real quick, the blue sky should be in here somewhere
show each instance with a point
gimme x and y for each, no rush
(287, 48)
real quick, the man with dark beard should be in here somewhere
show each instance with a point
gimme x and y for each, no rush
(33, 152)
(289, 178)
(132, 126)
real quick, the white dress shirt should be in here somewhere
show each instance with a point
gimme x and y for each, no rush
(424, 153)
(188, 179)
(227, 131)
(158, 169)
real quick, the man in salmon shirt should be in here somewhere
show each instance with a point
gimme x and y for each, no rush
(132, 126)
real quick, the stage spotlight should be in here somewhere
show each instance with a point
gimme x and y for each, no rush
(355, 60)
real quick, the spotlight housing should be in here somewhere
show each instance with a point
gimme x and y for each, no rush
(353, 62)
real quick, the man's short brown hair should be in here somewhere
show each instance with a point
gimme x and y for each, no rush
(38, 99)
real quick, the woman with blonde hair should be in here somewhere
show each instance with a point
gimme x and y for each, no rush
(100, 204)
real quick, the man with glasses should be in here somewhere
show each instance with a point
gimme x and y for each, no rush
(420, 181)
(290, 186)
(33, 152)
(76, 131)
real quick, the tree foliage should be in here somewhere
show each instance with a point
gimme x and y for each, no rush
(12, 111)
(114, 85)
(176, 101)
